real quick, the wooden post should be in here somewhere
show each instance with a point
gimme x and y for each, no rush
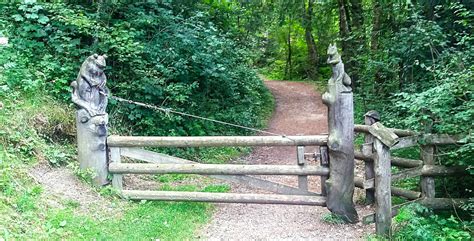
(427, 184)
(383, 201)
(115, 157)
(89, 94)
(339, 100)
(384, 139)
(324, 162)
(367, 149)
(302, 180)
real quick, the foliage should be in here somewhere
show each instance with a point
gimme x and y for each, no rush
(418, 222)
(332, 219)
(156, 54)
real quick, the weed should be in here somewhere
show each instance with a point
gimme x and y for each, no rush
(332, 219)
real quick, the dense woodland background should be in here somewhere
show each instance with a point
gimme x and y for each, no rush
(413, 61)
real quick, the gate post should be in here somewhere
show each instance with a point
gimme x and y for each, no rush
(367, 149)
(339, 99)
(89, 94)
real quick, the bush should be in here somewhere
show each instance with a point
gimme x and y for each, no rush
(419, 223)
(157, 54)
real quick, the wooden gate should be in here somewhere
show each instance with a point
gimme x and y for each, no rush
(131, 147)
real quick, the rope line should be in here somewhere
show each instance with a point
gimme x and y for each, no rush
(169, 110)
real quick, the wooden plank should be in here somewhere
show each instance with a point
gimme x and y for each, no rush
(115, 157)
(427, 183)
(383, 201)
(215, 141)
(406, 142)
(441, 139)
(215, 169)
(396, 161)
(302, 179)
(405, 162)
(158, 158)
(408, 194)
(398, 132)
(324, 162)
(438, 170)
(225, 197)
(369, 184)
(407, 173)
(367, 150)
(382, 133)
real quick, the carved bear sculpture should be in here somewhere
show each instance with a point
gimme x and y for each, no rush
(89, 90)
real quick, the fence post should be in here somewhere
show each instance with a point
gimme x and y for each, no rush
(427, 184)
(383, 140)
(368, 149)
(89, 94)
(383, 200)
(324, 162)
(302, 180)
(339, 100)
(115, 157)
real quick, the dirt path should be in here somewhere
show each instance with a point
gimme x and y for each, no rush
(299, 111)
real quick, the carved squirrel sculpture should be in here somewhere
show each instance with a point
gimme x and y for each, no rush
(339, 82)
(89, 90)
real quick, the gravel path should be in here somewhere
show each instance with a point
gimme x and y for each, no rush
(299, 111)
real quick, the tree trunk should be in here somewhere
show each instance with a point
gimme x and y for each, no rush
(310, 44)
(343, 25)
(288, 58)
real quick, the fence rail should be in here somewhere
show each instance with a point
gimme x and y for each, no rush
(216, 169)
(225, 197)
(215, 141)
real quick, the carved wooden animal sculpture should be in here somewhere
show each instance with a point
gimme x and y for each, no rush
(89, 90)
(338, 98)
(339, 82)
(89, 93)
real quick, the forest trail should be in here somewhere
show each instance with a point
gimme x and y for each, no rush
(299, 111)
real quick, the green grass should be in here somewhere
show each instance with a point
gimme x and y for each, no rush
(29, 135)
(142, 220)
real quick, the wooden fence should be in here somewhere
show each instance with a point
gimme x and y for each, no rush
(103, 154)
(378, 172)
